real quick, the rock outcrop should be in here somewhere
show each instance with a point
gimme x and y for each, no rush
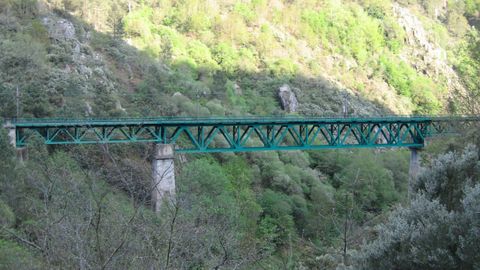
(60, 29)
(426, 56)
(75, 60)
(288, 98)
(237, 89)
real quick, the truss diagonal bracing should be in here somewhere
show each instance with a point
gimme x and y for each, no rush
(244, 134)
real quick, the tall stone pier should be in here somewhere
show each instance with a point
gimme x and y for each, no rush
(11, 132)
(413, 169)
(163, 175)
(12, 139)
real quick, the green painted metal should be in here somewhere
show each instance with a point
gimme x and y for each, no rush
(191, 135)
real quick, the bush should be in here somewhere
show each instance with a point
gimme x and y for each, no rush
(138, 23)
(201, 55)
(348, 27)
(423, 96)
(283, 68)
(438, 228)
(472, 7)
(399, 75)
(14, 256)
(277, 210)
(227, 57)
(245, 11)
(7, 217)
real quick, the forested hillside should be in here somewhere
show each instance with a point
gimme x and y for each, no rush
(88, 207)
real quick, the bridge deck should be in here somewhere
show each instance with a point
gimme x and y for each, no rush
(227, 134)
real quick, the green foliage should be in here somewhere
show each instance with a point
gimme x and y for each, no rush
(394, 34)
(423, 89)
(39, 32)
(283, 68)
(235, 98)
(197, 22)
(438, 227)
(218, 202)
(368, 182)
(350, 28)
(470, 225)
(205, 58)
(431, 6)
(277, 211)
(413, 238)
(399, 75)
(407, 82)
(447, 175)
(220, 192)
(23, 8)
(472, 7)
(21, 55)
(7, 217)
(457, 24)
(245, 11)
(201, 55)
(139, 23)
(14, 256)
(468, 67)
(227, 57)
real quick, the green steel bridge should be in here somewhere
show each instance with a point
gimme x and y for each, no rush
(238, 134)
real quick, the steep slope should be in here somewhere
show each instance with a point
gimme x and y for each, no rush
(360, 53)
(87, 207)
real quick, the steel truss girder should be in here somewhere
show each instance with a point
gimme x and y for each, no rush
(238, 136)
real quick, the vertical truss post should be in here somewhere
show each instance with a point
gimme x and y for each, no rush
(163, 174)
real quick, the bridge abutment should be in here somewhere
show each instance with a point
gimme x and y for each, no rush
(413, 169)
(163, 174)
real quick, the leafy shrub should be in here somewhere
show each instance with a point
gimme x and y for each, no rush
(197, 22)
(201, 55)
(7, 217)
(245, 11)
(138, 23)
(398, 74)
(283, 68)
(472, 7)
(350, 28)
(227, 57)
(423, 96)
(438, 227)
(277, 210)
(14, 256)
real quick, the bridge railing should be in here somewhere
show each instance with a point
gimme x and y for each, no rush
(189, 119)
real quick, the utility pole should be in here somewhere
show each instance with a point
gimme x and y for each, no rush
(345, 105)
(17, 99)
(198, 103)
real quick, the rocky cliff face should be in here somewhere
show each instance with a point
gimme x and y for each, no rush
(84, 65)
(422, 53)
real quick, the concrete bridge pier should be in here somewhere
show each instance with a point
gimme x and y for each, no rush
(414, 168)
(163, 174)
(11, 132)
(12, 139)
